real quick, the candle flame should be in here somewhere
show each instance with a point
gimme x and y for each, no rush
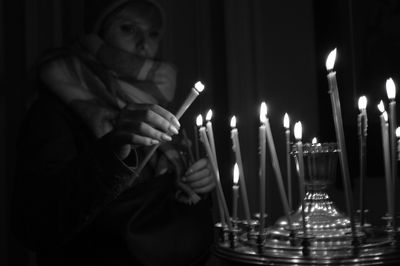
(199, 87)
(199, 120)
(298, 130)
(390, 89)
(314, 141)
(209, 115)
(263, 112)
(362, 103)
(385, 116)
(236, 174)
(381, 106)
(398, 132)
(330, 61)
(233, 122)
(286, 121)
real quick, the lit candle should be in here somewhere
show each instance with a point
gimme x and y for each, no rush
(337, 117)
(236, 149)
(362, 133)
(195, 91)
(313, 166)
(196, 144)
(391, 93)
(398, 143)
(298, 132)
(277, 169)
(386, 156)
(262, 143)
(286, 125)
(210, 134)
(220, 193)
(235, 191)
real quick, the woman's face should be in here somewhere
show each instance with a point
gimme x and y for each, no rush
(133, 34)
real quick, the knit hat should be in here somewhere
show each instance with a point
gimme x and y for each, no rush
(97, 11)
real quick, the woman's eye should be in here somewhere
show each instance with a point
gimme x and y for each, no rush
(128, 28)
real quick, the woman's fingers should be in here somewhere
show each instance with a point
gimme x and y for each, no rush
(154, 115)
(200, 164)
(143, 129)
(205, 189)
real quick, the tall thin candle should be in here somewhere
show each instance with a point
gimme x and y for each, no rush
(386, 156)
(277, 169)
(262, 143)
(220, 192)
(337, 116)
(362, 133)
(210, 133)
(235, 191)
(236, 149)
(286, 125)
(398, 143)
(298, 132)
(391, 93)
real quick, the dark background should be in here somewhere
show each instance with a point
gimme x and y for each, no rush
(245, 52)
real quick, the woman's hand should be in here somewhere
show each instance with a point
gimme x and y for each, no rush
(142, 125)
(200, 177)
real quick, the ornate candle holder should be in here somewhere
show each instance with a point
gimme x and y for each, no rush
(328, 240)
(323, 219)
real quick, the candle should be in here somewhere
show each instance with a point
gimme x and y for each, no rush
(298, 132)
(391, 93)
(195, 91)
(362, 133)
(224, 213)
(313, 166)
(277, 169)
(286, 125)
(238, 156)
(210, 134)
(196, 144)
(262, 140)
(337, 116)
(398, 143)
(386, 156)
(235, 191)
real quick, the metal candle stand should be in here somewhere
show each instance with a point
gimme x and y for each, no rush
(328, 239)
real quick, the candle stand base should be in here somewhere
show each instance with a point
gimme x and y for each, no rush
(376, 247)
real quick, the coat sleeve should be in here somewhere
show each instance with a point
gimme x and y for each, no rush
(62, 180)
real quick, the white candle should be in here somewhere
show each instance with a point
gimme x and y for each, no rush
(286, 125)
(362, 133)
(224, 213)
(262, 143)
(386, 156)
(337, 116)
(195, 91)
(235, 191)
(210, 134)
(196, 144)
(391, 93)
(398, 143)
(238, 156)
(277, 169)
(298, 132)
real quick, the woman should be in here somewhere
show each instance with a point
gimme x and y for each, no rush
(99, 111)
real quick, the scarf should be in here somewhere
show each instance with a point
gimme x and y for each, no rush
(104, 80)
